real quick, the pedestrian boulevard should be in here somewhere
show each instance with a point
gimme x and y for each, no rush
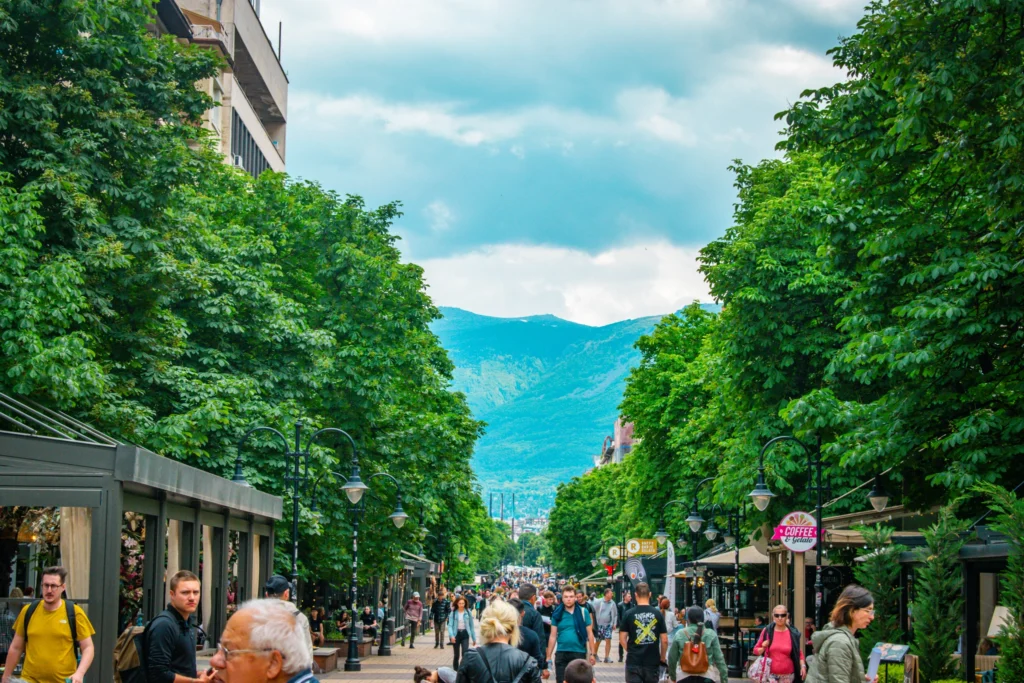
(402, 662)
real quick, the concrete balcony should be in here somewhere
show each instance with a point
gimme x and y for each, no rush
(222, 37)
(234, 26)
(256, 66)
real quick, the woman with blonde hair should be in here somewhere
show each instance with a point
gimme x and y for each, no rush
(711, 615)
(837, 655)
(498, 658)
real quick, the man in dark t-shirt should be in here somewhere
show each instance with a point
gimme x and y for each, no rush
(643, 635)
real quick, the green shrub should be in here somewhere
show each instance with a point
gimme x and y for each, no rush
(938, 606)
(895, 673)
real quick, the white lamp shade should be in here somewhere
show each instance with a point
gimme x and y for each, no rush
(1000, 618)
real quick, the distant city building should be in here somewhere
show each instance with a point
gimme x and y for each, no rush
(530, 525)
(248, 119)
(616, 446)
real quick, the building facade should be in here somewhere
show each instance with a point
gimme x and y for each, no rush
(249, 119)
(616, 446)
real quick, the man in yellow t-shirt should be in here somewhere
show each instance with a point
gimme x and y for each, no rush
(49, 649)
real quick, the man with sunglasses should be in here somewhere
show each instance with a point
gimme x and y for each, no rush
(49, 636)
(265, 641)
(781, 643)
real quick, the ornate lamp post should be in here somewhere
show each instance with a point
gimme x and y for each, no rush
(762, 496)
(300, 477)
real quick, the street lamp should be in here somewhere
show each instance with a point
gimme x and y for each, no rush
(878, 496)
(357, 509)
(299, 478)
(661, 535)
(711, 533)
(762, 496)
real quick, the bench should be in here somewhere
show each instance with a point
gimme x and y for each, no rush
(326, 658)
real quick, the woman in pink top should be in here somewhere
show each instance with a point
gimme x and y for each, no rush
(781, 644)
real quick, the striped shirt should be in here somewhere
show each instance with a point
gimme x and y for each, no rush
(305, 676)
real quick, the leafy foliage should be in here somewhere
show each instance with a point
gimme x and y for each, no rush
(939, 603)
(869, 285)
(879, 572)
(587, 514)
(175, 302)
(1009, 521)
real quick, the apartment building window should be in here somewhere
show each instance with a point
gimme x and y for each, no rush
(244, 150)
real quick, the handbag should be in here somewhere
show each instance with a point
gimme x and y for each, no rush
(760, 669)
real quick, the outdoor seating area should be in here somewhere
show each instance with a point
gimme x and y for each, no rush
(193, 519)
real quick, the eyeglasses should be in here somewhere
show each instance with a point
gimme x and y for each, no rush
(52, 586)
(783, 615)
(869, 610)
(228, 654)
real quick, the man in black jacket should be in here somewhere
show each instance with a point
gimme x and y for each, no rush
(170, 640)
(439, 611)
(624, 606)
(531, 617)
(528, 640)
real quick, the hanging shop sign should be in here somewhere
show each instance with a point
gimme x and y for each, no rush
(797, 531)
(642, 546)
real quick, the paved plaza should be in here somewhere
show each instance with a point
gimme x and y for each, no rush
(399, 666)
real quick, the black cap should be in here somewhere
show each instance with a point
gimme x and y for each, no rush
(276, 585)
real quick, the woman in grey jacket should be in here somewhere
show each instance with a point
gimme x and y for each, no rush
(837, 657)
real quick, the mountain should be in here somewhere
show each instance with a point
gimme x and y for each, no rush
(549, 391)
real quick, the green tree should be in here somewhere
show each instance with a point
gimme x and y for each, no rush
(1009, 521)
(587, 512)
(939, 603)
(927, 141)
(878, 570)
(175, 302)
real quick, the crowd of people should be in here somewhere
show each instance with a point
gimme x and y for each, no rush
(525, 635)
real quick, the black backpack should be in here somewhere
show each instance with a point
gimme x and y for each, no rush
(72, 622)
(130, 653)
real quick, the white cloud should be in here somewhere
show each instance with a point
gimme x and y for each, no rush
(720, 110)
(511, 280)
(439, 215)
(529, 24)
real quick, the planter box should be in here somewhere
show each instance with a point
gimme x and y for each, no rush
(326, 658)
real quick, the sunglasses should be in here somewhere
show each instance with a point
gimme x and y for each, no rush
(782, 615)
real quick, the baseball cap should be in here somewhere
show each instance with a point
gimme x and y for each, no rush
(277, 585)
(415, 594)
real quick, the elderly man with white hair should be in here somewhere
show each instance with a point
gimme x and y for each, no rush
(265, 641)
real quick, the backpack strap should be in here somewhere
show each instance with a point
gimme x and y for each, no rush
(28, 617)
(487, 665)
(522, 672)
(69, 608)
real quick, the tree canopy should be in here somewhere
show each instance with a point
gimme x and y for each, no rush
(175, 302)
(869, 287)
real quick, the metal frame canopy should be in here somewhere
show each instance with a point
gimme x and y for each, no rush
(49, 459)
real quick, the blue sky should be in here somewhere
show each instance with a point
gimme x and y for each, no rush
(565, 156)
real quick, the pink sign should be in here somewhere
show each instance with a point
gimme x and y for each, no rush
(798, 532)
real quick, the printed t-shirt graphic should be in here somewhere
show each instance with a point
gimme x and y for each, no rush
(643, 625)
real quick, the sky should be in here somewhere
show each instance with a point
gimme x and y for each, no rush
(552, 156)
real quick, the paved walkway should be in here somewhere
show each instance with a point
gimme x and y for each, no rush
(400, 665)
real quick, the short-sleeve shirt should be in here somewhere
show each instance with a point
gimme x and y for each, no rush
(644, 626)
(568, 640)
(315, 625)
(49, 653)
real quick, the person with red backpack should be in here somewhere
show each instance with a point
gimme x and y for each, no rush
(50, 636)
(696, 652)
